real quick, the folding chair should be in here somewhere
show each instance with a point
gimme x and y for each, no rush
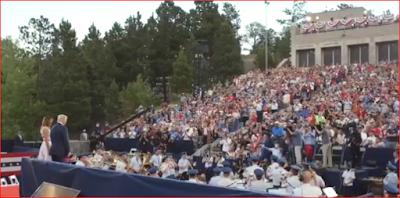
(4, 182)
(14, 180)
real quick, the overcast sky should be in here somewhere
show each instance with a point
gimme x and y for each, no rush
(104, 14)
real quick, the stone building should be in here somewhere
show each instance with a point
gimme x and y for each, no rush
(345, 36)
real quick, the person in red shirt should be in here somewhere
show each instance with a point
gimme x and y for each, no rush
(311, 118)
(106, 127)
(254, 117)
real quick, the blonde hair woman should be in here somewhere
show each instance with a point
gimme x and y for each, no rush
(45, 128)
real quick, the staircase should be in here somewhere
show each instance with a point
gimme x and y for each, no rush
(214, 148)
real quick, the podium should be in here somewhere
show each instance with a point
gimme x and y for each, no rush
(53, 190)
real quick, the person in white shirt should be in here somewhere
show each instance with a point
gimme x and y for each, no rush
(136, 162)
(249, 171)
(188, 134)
(216, 178)
(279, 174)
(98, 156)
(156, 159)
(121, 165)
(259, 184)
(348, 178)
(293, 181)
(274, 106)
(274, 165)
(169, 168)
(193, 176)
(226, 143)
(226, 180)
(317, 180)
(184, 163)
(306, 189)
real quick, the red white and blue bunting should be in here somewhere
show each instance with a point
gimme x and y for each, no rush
(319, 25)
(346, 22)
(337, 23)
(332, 24)
(307, 26)
(360, 20)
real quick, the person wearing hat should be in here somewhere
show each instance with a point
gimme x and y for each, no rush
(279, 174)
(274, 165)
(82, 160)
(121, 165)
(217, 176)
(306, 189)
(258, 184)
(390, 191)
(226, 180)
(293, 181)
(391, 176)
(184, 163)
(168, 166)
(227, 164)
(250, 170)
(317, 180)
(193, 176)
(156, 159)
(153, 172)
(136, 162)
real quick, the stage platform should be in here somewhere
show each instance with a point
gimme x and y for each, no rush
(104, 183)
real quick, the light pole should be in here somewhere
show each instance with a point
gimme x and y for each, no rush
(266, 35)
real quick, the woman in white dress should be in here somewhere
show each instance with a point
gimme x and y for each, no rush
(45, 133)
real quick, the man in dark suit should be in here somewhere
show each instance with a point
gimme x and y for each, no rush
(59, 136)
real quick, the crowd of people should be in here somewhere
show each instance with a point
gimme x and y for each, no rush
(282, 114)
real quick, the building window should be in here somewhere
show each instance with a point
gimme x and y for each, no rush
(306, 58)
(388, 51)
(332, 56)
(359, 54)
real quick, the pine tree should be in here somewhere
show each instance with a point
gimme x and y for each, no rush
(136, 94)
(70, 92)
(100, 66)
(182, 79)
(227, 62)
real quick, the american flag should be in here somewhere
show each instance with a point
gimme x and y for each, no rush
(11, 163)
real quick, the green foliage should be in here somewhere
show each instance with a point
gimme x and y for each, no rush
(106, 77)
(227, 59)
(113, 104)
(182, 79)
(135, 94)
(278, 43)
(20, 111)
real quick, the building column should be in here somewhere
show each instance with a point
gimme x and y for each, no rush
(344, 52)
(372, 52)
(293, 45)
(318, 54)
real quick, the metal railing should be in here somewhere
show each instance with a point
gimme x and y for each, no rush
(77, 146)
(203, 149)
